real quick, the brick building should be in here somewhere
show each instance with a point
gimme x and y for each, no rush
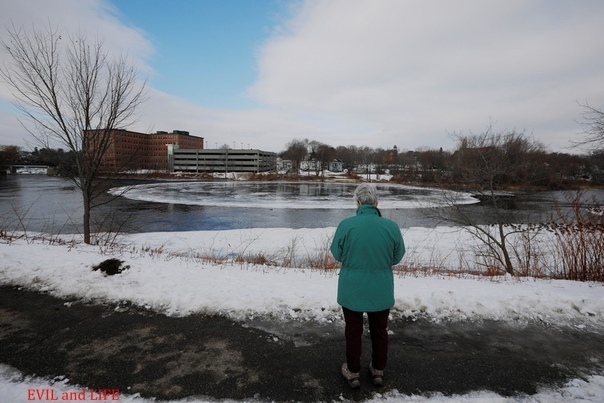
(133, 150)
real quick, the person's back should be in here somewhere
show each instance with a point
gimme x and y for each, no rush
(368, 245)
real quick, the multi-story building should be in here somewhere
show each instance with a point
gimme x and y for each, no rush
(133, 150)
(221, 160)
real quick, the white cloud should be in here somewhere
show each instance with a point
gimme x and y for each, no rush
(380, 72)
(97, 19)
(262, 128)
(419, 69)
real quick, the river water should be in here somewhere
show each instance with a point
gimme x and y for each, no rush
(53, 205)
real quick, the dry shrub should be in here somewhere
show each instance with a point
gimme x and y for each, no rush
(579, 237)
(255, 259)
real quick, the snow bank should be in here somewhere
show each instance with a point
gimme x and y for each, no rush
(168, 275)
(178, 282)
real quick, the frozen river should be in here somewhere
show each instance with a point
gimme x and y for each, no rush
(53, 205)
(283, 195)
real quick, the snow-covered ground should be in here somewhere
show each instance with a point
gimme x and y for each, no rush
(175, 273)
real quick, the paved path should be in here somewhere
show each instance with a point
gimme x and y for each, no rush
(134, 351)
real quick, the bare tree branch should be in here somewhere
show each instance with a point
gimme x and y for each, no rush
(73, 93)
(484, 163)
(593, 126)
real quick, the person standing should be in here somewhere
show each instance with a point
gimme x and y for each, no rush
(368, 245)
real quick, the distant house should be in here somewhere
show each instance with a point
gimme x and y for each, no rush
(309, 165)
(336, 166)
(284, 165)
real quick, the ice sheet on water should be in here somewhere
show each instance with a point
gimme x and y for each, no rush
(296, 195)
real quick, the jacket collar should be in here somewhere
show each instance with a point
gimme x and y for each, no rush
(368, 209)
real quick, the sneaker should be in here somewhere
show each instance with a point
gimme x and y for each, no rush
(351, 377)
(377, 376)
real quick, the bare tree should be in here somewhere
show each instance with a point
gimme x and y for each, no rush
(8, 156)
(313, 155)
(485, 164)
(296, 151)
(431, 164)
(593, 124)
(73, 93)
(365, 157)
(347, 156)
(323, 155)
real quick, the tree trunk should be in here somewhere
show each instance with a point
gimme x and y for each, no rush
(86, 218)
(509, 268)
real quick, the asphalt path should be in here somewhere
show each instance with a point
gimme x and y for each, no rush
(130, 350)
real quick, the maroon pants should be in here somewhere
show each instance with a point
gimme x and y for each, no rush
(378, 324)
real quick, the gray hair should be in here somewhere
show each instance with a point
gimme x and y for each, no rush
(366, 194)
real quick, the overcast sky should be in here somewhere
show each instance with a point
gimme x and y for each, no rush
(372, 73)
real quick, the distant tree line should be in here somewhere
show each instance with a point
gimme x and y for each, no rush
(8, 156)
(63, 162)
(522, 161)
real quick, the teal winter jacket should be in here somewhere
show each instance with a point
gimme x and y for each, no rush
(368, 245)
